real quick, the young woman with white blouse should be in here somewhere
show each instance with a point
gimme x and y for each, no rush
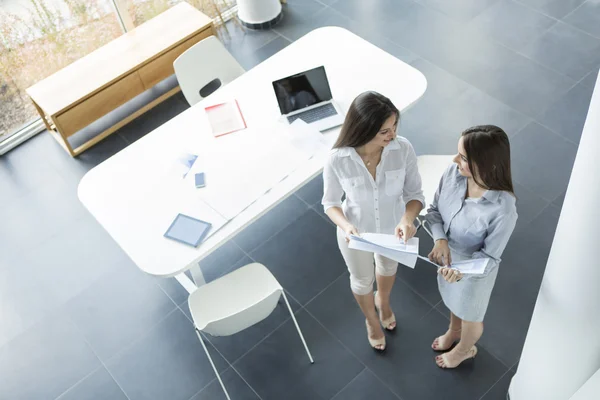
(377, 172)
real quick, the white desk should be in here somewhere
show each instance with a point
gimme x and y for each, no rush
(135, 199)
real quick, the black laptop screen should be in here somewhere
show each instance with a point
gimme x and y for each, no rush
(302, 90)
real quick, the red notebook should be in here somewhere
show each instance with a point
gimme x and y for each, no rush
(225, 118)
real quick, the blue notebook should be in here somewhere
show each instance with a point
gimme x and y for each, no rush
(188, 230)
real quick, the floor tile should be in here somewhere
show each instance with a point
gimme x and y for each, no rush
(235, 385)
(338, 311)
(529, 204)
(526, 86)
(511, 23)
(286, 371)
(118, 309)
(460, 10)
(312, 192)
(154, 118)
(423, 278)
(590, 80)
(221, 260)
(54, 352)
(235, 346)
(76, 257)
(284, 214)
(537, 153)
(366, 385)
(554, 8)
(586, 18)
(304, 257)
(250, 59)
(97, 386)
(167, 363)
(558, 202)
(296, 17)
(500, 388)
(240, 40)
(566, 50)
(567, 115)
(372, 13)
(24, 299)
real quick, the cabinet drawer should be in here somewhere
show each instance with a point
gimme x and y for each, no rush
(162, 67)
(100, 104)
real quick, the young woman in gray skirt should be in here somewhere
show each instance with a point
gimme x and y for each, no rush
(472, 216)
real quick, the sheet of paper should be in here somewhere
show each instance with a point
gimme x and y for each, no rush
(404, 258)
(306, 138)
(475, 266)
(391, 242)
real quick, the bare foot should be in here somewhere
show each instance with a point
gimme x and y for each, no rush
(444, 342)
(386, 315)
(376, 336)
(454, 358)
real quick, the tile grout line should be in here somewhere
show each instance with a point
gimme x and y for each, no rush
(348, 384)
(495, 383)
(81, 380)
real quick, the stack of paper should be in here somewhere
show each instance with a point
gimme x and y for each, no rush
(407, 253)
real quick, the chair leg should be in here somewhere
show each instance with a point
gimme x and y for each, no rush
(297, 327)
(212, 364)
(424, 225)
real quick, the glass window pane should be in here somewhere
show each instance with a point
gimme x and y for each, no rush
(39, 37)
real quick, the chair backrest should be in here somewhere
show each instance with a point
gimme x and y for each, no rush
(431, 169)
(205, 67)
(235, 301)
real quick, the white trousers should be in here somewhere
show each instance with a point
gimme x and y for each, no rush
(360, 265)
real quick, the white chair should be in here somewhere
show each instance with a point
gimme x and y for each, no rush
(431, 169)
(235, 302)
(205, 67)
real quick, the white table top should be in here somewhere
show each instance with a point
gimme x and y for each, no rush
(135, 196)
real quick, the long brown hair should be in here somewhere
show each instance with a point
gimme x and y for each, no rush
(367, 113)
(488, 155)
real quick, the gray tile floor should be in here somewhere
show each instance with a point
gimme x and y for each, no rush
(79, 321)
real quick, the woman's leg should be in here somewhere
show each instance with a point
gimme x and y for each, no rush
(362, 276)
(444, 342)
(471, 332)
(386, 276)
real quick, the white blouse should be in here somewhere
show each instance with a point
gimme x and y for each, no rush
(373, 205)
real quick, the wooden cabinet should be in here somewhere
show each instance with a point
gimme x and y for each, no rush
(88, 89)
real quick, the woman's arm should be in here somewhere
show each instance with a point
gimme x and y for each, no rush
(413, 196)
(498, 234)
(332, 199)
(440, 254)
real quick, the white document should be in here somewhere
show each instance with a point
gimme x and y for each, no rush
(306, 138)
(475, 266)
(388, 246)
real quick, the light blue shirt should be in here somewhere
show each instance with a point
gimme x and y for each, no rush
(474, 228)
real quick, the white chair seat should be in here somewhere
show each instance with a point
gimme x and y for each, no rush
(232, 294)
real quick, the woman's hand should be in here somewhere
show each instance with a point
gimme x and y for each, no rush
(440, 254)
(350, 229)
(405, 230)
(451, 275)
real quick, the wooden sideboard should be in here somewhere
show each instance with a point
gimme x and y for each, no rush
(93, 86)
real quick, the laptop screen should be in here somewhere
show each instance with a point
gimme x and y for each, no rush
(302, 90)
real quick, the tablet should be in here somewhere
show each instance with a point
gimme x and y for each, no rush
(188, 230)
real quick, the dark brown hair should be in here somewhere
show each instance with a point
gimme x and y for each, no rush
(488, 155)
(367, 113)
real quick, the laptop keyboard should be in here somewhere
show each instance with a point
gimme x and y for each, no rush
(314, 114)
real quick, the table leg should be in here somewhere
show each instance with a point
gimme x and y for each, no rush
(197, 275)
(186, 282)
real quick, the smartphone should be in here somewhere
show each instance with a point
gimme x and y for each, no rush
(199, 179)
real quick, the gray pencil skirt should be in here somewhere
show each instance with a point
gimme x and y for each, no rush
(468, 299)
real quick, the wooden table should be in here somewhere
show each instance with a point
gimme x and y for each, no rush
(93, 86)
(135, 197)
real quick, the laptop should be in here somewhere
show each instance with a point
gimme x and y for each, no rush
(307, 96)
